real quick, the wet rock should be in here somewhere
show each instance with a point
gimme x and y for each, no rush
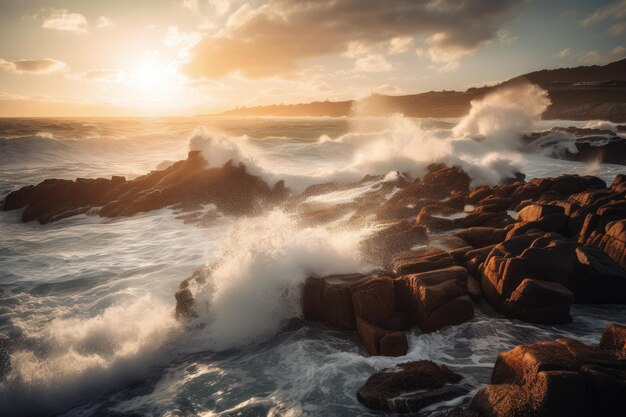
(189, 182)
(619, 183)
(496, 220)
(434, 223)
(329, 300)
(410, 387)
(421, 260)
(614, 339)
(479, 237)
(366, 304)
(379, 326)
(562, 377)
(394, 238)
(435, 299)
(530, 277)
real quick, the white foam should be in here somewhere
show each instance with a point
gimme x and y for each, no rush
(254, 287)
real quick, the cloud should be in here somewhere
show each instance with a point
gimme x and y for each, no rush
(60, 19)
(612, 11)
(505, 37)
(373, 63)
(400, 44)
(104, 22)
(599, 58)
(617, 29)
(32, 66)
(102, 75)
(564, 53)
(273, 38)
(174, 37)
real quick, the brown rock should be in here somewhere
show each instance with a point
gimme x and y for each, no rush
(410, 387)
(435, 299)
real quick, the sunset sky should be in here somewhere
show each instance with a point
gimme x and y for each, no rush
(185, 57)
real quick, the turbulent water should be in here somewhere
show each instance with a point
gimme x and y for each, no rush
(86, 305)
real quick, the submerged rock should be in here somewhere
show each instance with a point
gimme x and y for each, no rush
(410, 387)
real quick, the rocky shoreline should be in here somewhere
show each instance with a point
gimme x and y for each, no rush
(530, 249)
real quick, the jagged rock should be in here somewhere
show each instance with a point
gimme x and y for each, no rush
(421, 260)
(366, 304)
(435, 299)
(614, 339)
(530, 277)
(394, 238)
(189, 182)
(410, 387)
(479, 237)
(434, 223)
(329, 299)
(558, 378)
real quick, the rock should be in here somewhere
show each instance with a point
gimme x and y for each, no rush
(434, 223)
(532, 277)
(497, 220)
(619, 183)
(558, 378)
(189, 182)
(410, 387)
(480, 237)
(435, 299)
(614, 339)
(614, 242)
(380, 327)
(363, 303)
(329, 300)
(536, 212)
(396, 237)
(421, 260)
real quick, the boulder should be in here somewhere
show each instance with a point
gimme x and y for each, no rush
(479, 237)
(329, 300)
(363, 303)
(532, 277)
(614, 339)
(409, 387)
(435, 299)
(393, 238)
(421, 260)
(558, 378)
(189, 183)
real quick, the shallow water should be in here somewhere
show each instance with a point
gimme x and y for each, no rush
(86, 312)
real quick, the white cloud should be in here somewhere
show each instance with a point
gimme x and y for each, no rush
(61, 19)
(612, 11)
(373, 63)
(32, 66)
(104, 22)
(564, 53)
(505, 37)
(102, 75)
(174, 37)
(400, 44)
(617, 29)
(599, 58)
(273, 38)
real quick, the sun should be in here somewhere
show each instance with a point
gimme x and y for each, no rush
(149, 73)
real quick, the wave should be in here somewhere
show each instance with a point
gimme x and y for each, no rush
(254, 287)
(486, 143)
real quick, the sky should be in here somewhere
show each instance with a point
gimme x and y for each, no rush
(187, 57)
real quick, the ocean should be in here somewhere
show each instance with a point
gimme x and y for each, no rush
(87, 323)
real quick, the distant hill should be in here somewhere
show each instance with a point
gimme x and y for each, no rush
(580, 93)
